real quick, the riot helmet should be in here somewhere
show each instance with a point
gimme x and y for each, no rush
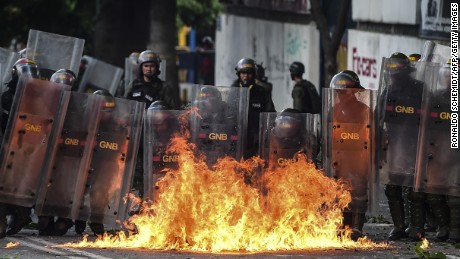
(158, 105)
(134, 57)
(288, 123)
(64, 76)
(297, 68)
(159, 112)
(346, 79)
(246, 71)
(260, 72)
(207, 42)
(210, 98)
(413, 58)
(108, 102)
(398, 64)
(246, 65)
(25, 67)
(149, 56)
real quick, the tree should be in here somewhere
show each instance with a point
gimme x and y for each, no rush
(65, 17)
(121, 28)
(199, 14)
(330, 41)
(163, 37)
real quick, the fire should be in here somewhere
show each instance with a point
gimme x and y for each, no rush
(425, 244)
(11, 244)
(232, 208)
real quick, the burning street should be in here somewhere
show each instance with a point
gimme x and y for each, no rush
(232, 211)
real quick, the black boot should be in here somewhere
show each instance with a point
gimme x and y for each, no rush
(80, 226)
(440, 211)
(21, 218)
(454, 221)
(397, 214)
(97, 228)
(61, 226)
(418, 213)
(2, 220)
(357, 224)
(396, 205)
(45, 225)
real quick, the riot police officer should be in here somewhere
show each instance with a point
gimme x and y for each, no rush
(400, 128)
(148, 87)
(348, 154)
(261, 78)
(306, 98)
(160, 125)
(98, 190)
(211, 107)
(46, 224)
(287, 137)
(20, 215)
(438, 165)
(259, 101)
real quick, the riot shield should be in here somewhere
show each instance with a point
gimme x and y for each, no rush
(162, 75)
(113, 161)
(284, 137)
(160, 126)
(32, 131)
(131, 72)
(53, 51)
(400, 97)
(434, 52)
(7, 59)
(348, 144)
(438, 165)
(100, 75)
(219, 128)
(66, 174)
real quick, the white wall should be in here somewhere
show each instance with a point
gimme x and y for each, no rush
(388, 11)
(275, 44)
(366, 50)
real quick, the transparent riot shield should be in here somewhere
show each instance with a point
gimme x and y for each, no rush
(400, 97)
(32, 131)
(7, 60)
(100, 75)
(438, 165)
(434, 52)
(348, 123)
(113, 161)
(131, 72)
(160, 126)
(162, 75)
(66, 173)
(284, 138)
(53, 51)
(218, 128)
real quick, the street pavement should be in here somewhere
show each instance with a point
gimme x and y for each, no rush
(30, 245)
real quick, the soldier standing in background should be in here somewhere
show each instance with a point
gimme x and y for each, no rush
(306, 98)
(259, 101)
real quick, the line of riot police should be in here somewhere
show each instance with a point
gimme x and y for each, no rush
(81, 148)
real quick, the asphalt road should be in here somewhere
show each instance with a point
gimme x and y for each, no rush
(30, 245)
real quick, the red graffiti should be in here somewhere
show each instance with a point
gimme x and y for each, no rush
(364, 66)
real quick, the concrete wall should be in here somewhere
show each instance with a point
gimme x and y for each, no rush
(388, 11)
(366, 50)
(275, 44)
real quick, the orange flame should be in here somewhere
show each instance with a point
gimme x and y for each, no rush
(425, 244)
(11, 244)
(227, 208)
